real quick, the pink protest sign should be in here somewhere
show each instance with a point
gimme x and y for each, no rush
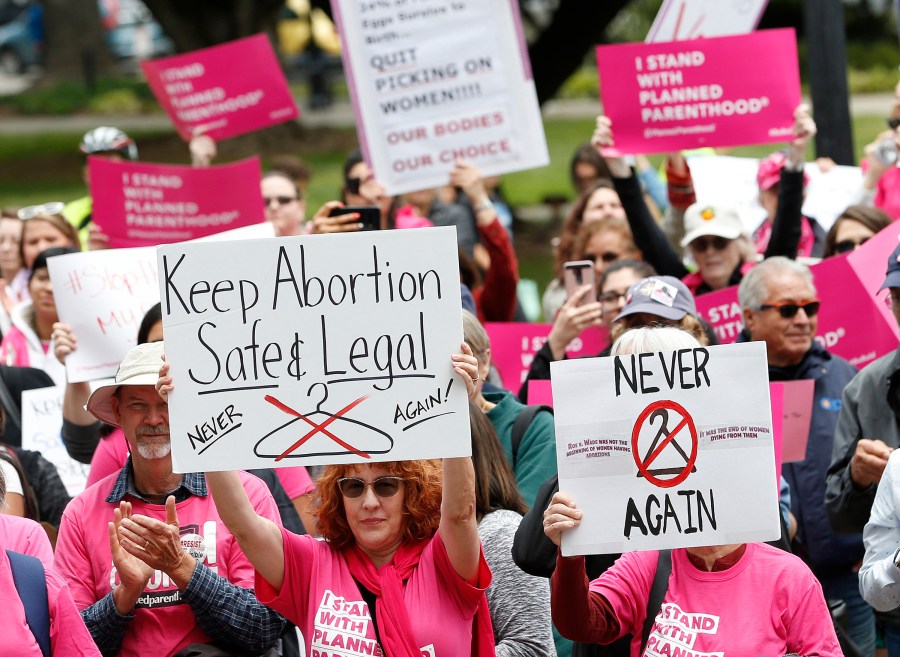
(513, 346)
(792, 404)
(226, 90)
(139, 204)
(540, 392)
(853, 322)
(704, 92)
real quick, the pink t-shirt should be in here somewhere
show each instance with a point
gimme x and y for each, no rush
(112, 452)
(68, 635)
(768, 603)
(27, 537)
(163, 623)
(887, 192)
(320, 596)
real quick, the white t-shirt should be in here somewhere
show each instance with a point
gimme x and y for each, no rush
(13, 482)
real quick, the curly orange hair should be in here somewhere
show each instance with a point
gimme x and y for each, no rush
(421, 504)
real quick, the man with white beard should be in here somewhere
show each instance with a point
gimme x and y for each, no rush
(144, 552)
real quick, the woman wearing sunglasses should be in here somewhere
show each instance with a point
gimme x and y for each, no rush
(853, 228)
(43, 227)
(400, 571)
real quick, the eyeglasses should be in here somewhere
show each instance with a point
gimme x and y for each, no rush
(701, 244)
(279, 200)
(789, 309)
(54, 207)
(608, 257)
(353, 487)
(611, 297)
(846, 246)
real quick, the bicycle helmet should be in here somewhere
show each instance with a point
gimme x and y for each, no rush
(108, 140)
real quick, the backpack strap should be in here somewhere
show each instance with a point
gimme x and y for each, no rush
(520, 426)
(31, 585)
(657, 593)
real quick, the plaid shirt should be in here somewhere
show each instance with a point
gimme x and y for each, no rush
(229, 614)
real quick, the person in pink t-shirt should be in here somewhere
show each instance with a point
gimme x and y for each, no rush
(737, 599)
(400, 572)
(68, 635)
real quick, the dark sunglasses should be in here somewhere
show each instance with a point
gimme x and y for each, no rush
(383, 486)
(701, 244)
(279, 200)
(789, 309)
(607, 257)
(354, 185)
(846, 246)
(893, 123)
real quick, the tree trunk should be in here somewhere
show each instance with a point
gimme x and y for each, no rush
(76, 44)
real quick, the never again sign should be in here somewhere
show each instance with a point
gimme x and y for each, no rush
(667, 449)
(314, 349)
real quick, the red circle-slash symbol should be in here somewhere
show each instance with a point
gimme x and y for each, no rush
(663, 439)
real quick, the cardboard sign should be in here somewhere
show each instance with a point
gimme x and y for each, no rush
(731, 181)
(223, 91)
(692, 19)
(667, 450)
(666, 97)
(148, 204)
(514, 344)
(433, 85)
(41, 422)
(854, 323)
(793, 417)
(314, 349)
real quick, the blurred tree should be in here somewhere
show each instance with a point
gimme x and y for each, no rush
(75, 47)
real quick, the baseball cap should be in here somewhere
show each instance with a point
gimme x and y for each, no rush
(664, 296)
(892, 278)
(717, 220)
(140, 367)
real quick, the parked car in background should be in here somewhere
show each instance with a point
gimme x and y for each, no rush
(21, 36)
(131, 32)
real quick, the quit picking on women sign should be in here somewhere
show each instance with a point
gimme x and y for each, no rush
(140, 204)
(725, 91)
(314, 349)
(668, 449)
(436, 82)
(224, 91)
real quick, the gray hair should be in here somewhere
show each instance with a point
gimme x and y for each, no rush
(753, 290)
(475, 335)
(649, 339)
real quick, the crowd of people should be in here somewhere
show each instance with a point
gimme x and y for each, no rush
(460, 556)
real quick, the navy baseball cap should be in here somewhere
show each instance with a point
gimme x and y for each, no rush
(892, 279)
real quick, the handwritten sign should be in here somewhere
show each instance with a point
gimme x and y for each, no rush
(692, 19)
(665, 97)
(148, 204)
(225, 90)
(666, 450)
(314, 349)
(725, 180)
(514, 344)
(433, 85)
(853, 321)
(41, 422)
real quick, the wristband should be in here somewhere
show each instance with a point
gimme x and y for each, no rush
(487, 205)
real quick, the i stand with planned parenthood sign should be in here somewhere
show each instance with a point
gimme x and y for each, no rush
(666, 450)
(314, 349)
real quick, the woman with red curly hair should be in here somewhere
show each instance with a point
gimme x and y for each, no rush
(400, 572)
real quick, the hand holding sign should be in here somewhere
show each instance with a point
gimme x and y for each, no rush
(804, 129)
(561, 515)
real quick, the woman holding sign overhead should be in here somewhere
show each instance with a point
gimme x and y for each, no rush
(401, 571)
(740, 599)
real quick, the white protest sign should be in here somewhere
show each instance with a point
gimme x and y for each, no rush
(726, 180)
(432, 85)
(103, 296)
(41, 423)
(666, 450)
(314, 349)
(678, 20)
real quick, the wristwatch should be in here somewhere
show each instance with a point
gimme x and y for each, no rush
(486, 205)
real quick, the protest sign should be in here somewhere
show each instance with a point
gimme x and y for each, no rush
(514, 344)
(540, 392)
(791, 420)
(666, 450)
(731, 181)
(853, 321)
(314, 349)
(433, 85)
(223, 91)
(692, 19)
(148, 204)
(41, 420)
(103, 296)
(664, 97)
